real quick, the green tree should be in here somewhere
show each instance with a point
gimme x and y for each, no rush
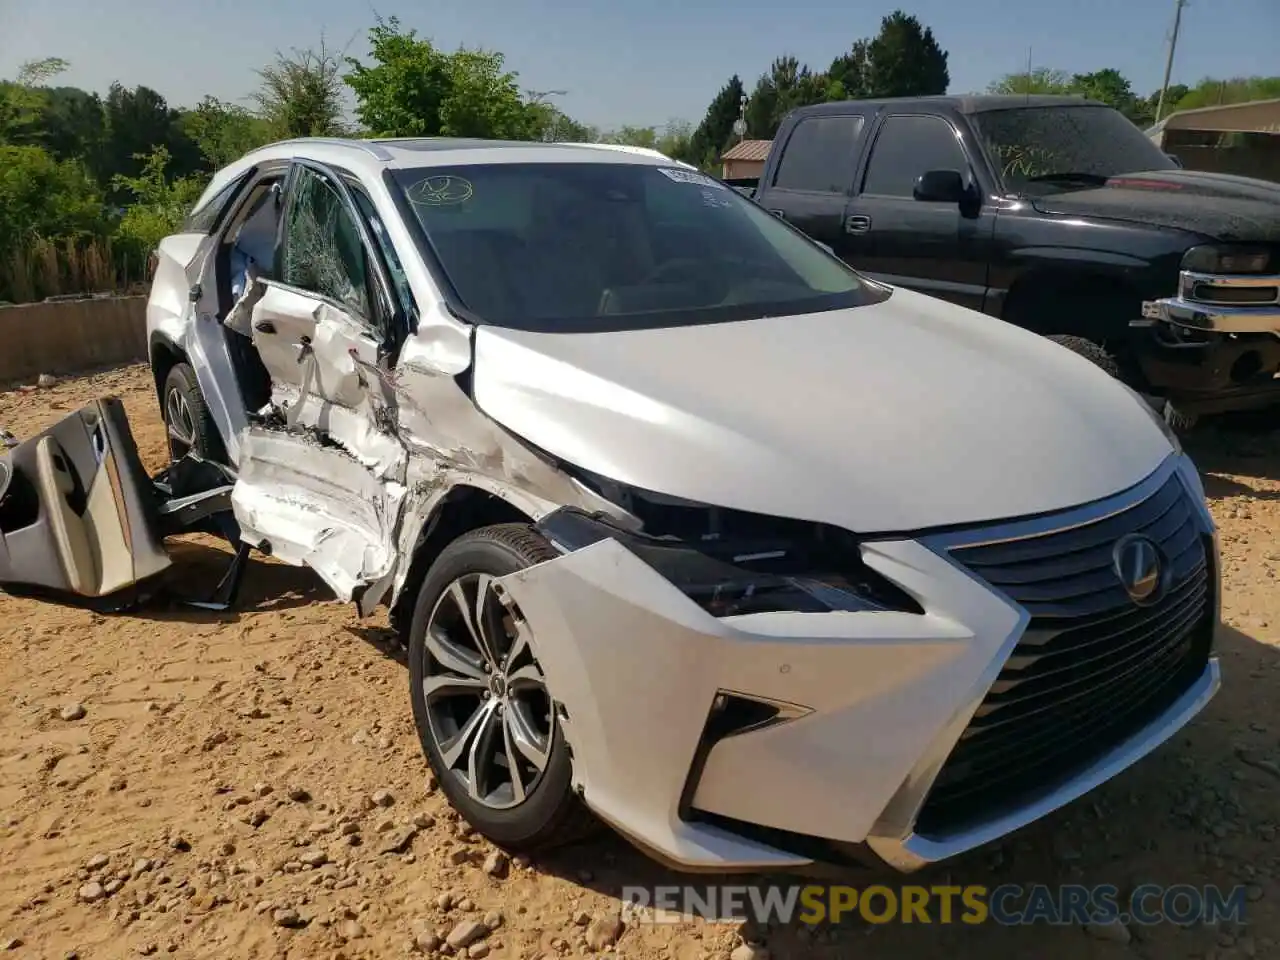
(787, 85)
(710, 138)
(23, 101)
(675, 141)
(412, 89)
(137, 123)
(633, 137)
(550, 124)
(1041, 80)
(224, 131)
(160, 204)
(1212, 92)
(74, 125)
(301, 94)
(41, 197)
(904, 60)
(849, 76)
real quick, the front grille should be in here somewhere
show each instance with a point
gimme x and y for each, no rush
(1091, 669)
(1233, 296)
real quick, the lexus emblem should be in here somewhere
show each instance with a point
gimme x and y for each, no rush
(1139, 565)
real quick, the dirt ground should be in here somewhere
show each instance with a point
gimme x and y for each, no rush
(249, 784)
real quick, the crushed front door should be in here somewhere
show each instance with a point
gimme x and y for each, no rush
(321, 480)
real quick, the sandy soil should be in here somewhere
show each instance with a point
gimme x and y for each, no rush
(235, 780)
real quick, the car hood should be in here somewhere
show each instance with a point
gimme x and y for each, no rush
(904, 415)
(1217, 205)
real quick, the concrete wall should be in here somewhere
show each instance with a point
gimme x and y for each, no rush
(71, 335)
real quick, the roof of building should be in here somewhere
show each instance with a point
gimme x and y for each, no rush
(748, 150)
(1254, 116)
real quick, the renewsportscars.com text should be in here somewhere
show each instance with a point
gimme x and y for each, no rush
(1009, 904)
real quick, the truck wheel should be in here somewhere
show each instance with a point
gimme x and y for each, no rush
(1095, 353)
(187, 419)
(1181, 423)
(486, 718)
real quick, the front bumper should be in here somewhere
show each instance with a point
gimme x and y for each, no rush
(869, 706)
(1207, 371)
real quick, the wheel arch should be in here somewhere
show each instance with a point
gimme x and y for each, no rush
(1047, 301)
(462, 509)
(164, 355)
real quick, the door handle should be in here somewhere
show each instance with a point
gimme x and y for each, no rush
(780, 214)
(265, 326)
(857, 224)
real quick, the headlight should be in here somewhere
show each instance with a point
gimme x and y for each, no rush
(739, 573)
(1227, 259)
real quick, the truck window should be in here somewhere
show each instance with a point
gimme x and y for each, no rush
(819, 155)
(908, 147)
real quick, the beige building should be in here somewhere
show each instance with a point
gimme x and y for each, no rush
(1238, 138)
(745, 160)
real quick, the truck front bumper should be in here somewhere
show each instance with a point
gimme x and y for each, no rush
(1209, 359)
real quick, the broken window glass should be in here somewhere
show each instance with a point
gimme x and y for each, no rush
(323, 253)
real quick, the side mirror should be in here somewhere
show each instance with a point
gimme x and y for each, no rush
(940, 186)
(1176, 160)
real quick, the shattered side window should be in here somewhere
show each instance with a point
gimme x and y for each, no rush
(323, 253)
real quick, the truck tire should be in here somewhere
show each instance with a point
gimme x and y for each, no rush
(1179, 422)
(187, 419)
(1095, 353)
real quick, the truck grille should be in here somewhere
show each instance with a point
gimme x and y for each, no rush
(1092, 668)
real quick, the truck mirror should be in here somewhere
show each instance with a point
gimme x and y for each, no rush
(940, 186)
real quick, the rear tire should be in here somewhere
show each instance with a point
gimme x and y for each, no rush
(1095, 353)
(187, 419)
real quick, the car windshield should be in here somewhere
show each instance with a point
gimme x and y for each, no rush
(1050, 149)
(566, 247)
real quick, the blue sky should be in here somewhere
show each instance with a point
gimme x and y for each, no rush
(638, 63)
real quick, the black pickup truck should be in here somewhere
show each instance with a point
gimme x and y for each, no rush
(1059, 215)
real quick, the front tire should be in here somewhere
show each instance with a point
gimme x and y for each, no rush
(187, 419)
(486, 719)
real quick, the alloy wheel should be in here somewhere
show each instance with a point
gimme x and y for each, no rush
(488, 708)
(180, 424)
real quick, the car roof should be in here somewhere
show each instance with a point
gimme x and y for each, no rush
(975, 103)
(368, 158)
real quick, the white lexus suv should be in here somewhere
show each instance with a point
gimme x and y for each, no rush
(688, 527)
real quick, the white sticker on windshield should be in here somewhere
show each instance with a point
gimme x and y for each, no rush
(691, 176)
(712, 198)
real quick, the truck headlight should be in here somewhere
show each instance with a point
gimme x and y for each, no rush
(1227, 259)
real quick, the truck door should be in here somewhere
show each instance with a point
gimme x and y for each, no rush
(937, 248)
(814, 179)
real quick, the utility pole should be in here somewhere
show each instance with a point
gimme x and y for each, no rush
(1168, 64)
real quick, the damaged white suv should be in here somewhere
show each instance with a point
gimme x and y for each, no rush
(686, 524)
